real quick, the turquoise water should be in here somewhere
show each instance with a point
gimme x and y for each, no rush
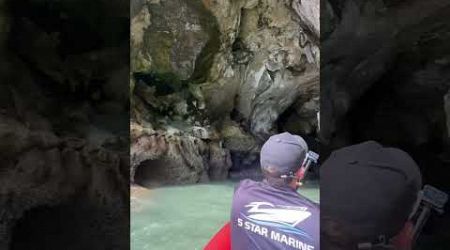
(183, 217)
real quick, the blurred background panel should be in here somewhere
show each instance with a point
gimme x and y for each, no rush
(385, 77)
(64, 124)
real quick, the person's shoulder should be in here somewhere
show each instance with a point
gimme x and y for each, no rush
(243, 189)
(245, 183)
(311, 204)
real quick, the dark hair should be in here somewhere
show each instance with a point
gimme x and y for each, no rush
(273, 176)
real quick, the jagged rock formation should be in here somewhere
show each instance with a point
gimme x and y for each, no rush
(239, 70)
(185, 157)
(63, 125)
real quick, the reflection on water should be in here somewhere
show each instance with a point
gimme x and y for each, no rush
(183, 217)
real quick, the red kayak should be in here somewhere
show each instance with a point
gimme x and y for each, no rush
(221, 240)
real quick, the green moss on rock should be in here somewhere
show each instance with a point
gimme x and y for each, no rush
(159, 45)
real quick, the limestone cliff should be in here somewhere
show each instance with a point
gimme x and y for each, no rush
(213, 79)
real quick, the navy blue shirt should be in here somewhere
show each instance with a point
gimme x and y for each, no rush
(266, 217)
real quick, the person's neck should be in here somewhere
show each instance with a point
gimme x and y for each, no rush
(279, 185)
(293, 185)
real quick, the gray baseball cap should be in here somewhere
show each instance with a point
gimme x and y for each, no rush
(283, 153)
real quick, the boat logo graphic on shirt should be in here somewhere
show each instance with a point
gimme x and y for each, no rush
(265, 211)
(281, 218)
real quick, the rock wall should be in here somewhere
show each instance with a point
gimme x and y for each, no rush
(237, 70)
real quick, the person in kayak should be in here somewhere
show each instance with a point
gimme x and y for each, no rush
(271, 214)
(367, 193)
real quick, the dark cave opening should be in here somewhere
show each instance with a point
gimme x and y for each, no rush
(165, 84)
(287, 121)
(245, 165)
(291, 121)
(153, 173)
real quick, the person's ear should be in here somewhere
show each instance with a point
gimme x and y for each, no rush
(404, 239)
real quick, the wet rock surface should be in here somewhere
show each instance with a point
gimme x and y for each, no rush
(255, 73)
(64, 148)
